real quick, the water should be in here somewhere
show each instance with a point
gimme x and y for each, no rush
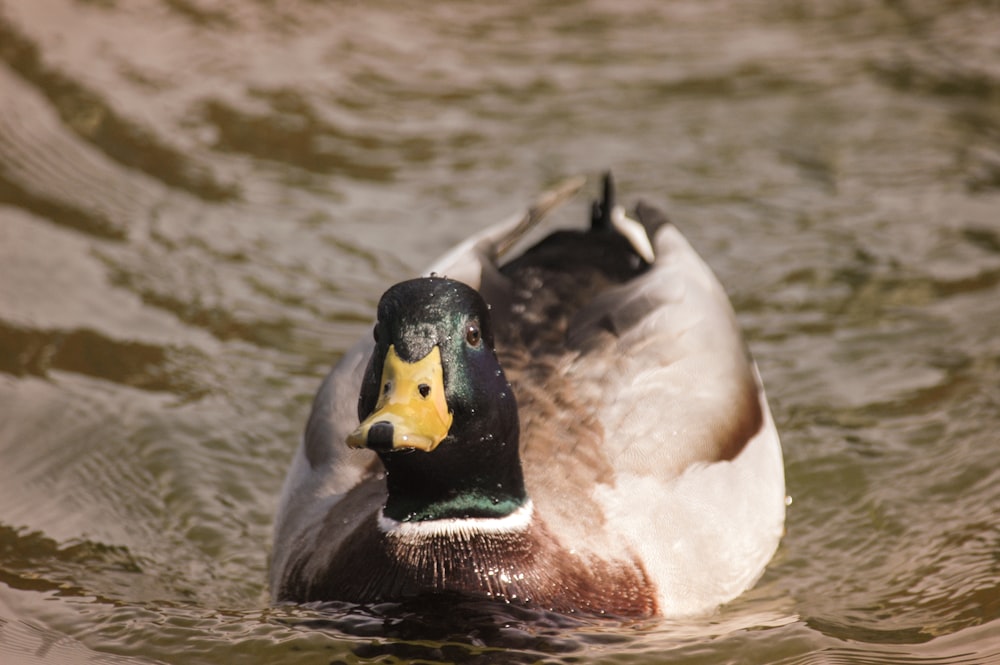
(200, 203)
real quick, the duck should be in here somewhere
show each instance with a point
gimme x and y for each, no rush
(578, 428)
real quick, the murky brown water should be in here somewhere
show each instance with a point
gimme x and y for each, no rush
(200, 203)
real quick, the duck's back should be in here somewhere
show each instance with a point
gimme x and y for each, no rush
(645, 433)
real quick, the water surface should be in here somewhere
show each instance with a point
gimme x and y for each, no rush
(201, 202)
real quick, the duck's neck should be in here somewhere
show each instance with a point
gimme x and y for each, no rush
(462, 506)
(415, 499)
(466, 477)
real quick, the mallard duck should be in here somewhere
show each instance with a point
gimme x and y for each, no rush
(579, 429)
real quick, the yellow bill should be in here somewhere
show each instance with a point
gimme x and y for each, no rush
(411, 411)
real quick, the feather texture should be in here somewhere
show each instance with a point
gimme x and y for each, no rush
(648, 449)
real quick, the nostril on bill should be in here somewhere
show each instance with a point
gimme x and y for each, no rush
(380, 435)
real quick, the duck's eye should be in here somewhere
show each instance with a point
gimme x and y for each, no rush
(472, 335)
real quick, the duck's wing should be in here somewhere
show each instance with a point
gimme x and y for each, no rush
(651, 437)
(324, 468)
(626, 332)
(665, 363)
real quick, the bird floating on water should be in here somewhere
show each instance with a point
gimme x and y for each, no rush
(578, 429)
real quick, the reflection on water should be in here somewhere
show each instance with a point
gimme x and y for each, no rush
(200, 203)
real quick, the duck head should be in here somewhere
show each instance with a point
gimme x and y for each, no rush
(436, 406)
